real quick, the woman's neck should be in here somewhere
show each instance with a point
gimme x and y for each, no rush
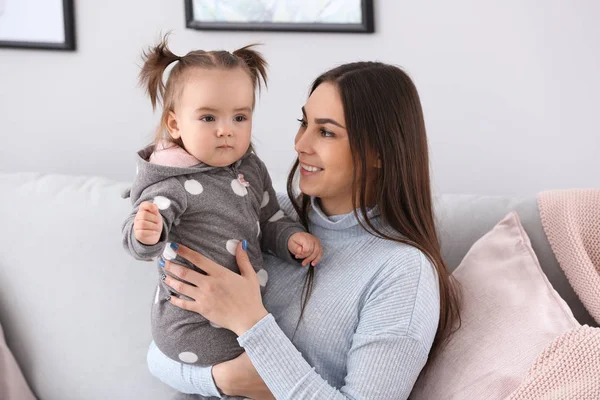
(335, 206)
(340, 206)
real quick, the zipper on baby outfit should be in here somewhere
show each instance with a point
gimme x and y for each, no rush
(242, 181)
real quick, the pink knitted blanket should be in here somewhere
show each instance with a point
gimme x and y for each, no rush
(571, 220)
(569, 368)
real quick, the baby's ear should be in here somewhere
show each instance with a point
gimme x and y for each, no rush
(172, 126)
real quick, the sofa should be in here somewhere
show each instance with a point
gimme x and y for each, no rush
(75, 307)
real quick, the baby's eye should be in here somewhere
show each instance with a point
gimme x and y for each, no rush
(208, 118)
(303, 122)
(240, 118)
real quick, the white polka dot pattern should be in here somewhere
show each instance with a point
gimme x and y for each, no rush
(193, 187)
(188, 357)
(265, 200)
(238, 188)
(263, 277)
(277, 216)
(162, 202)
(231, 246)
(169, 253)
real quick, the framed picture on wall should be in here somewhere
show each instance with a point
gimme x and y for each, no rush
(281, 15)
(37, 24)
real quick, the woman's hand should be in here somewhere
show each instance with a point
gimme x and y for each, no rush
(223, 297)
(238, 377)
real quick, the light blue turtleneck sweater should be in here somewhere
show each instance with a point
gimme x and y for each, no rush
(366, 331)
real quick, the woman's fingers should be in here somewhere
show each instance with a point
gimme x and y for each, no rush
(183, 273)
(182, 303)
(200, 261)
(243, 261)
(181, 287)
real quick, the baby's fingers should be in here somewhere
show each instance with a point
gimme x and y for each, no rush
(319, 255)
(150, 207)
(145, 225)
(309, 255)
(316, 254)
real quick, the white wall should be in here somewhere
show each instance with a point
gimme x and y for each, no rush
(511, 89)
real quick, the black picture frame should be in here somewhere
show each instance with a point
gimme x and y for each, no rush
(367, 25)
(69, 28)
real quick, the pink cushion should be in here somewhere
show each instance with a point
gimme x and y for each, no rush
(12, 383)
(510, 313)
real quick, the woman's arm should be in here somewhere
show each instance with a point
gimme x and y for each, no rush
(383, 363)
(236, 377)
(391, 344)
(378, 367)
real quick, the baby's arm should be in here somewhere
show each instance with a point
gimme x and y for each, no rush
(276, 227)
(170, 200)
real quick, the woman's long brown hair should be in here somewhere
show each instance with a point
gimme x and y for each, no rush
(384, 117)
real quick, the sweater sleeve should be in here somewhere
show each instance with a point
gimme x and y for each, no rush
(171, 199)
(276, 227)
(383, 362)
(385, 358)
(185, 378)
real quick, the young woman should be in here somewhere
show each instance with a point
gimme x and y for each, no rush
(361, 324)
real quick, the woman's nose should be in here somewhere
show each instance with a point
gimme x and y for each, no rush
(302, 142)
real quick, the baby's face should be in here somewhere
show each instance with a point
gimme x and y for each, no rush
(213, 116)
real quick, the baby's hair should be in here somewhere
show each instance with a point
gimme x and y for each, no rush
(158, 58)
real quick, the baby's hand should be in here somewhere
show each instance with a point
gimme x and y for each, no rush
(306, 246)
(148, 224)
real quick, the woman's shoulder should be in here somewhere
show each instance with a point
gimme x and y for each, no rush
(406, 289)
(402, 260)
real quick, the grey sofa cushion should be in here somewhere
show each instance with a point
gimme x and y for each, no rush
(75, 307)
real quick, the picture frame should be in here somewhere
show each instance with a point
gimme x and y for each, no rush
(340, 16)
(37, 24)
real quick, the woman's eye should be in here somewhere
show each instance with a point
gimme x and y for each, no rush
(327, 134)
(208, 118)
(240, 118)
(303, 122)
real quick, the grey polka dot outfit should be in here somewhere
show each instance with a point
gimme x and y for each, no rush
(209, 209)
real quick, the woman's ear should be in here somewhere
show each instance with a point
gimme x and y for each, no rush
(172, 125)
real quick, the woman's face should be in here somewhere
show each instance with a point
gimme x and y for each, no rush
(326, 164)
